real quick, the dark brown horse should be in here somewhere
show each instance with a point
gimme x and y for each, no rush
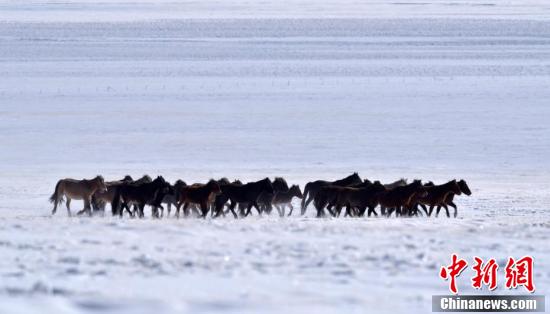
(399, 198)
(246, 193)
(312, 188)
(359, 198)
(437, 196)
(198, 194)
(327, 196)
(464, 188)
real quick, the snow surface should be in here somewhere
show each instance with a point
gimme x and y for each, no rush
(247, 89)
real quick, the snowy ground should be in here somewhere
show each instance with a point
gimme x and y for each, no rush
(433, 90)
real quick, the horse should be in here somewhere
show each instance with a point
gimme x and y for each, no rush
(78, 190)
(326, 198)
(171, 198)
(360, 198)
(101, 198)
(200, 194)
(464, 188)
(221, 200)
(312, 188)
(245, 193)
(265, 200)
(399, 197)
(400, 182)
(284, 198)
(437, 196)
(327, 195)
(149, 193)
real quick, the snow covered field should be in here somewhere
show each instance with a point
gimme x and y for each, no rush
(305, 90)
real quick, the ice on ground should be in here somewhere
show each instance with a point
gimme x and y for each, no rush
(436, 91)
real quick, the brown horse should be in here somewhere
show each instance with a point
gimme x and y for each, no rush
(200, 194)
(77, 190)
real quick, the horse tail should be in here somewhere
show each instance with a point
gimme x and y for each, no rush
(115, 203)
(55, 198)
(306, 191)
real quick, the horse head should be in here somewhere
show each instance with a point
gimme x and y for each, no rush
(102, 187)
(464, 187)
(279, 184)
(223, 181)
(266, 185)
(127, 178)
(214, 187)
(354, 178)
(295, 191)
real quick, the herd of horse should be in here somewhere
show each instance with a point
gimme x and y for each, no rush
(220, 197)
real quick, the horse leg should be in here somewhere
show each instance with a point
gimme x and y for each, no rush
(141, 208)
(425, 209)
(128, 210)
(257, 208)
(431, 210)
(308, 201)
(320, 212)
(280, 210)
(438, 209)
(348, 211)
(186, 210)
(195, 210)
(453, 205)
(291, 209)
(88, 206)
(372, 210)
(68, 204)
(446, 210)
(204, 209)
(232, 209)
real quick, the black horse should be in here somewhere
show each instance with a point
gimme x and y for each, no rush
(312, 188)
(151, 193)
(245, 193)
(265, 200)
(221, 200)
